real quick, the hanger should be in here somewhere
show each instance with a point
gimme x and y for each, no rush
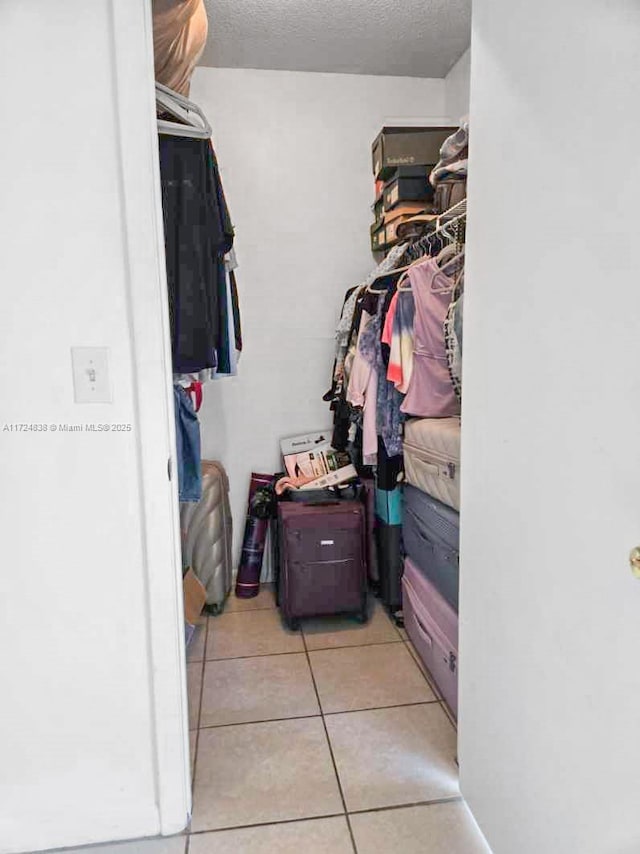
(405, 278)
(389, 274)
(405, 275)
(449, 255)
(452, 262)
(446, 255)
(192, 121)
(381, 276)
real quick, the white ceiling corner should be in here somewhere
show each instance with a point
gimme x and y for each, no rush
(413, 38)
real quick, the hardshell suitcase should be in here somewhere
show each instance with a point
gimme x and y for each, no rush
(432, 457)
(322, 560)
(207, 531)
(431, 532)
(432, 626)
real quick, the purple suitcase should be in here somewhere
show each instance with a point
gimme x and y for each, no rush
(432, 625)
(323, 567)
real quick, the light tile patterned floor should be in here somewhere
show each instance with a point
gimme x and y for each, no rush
(331, 740)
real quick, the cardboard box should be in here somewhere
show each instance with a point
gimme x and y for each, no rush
(404, 209)
(402, 146)
(335, 478)
(194, 597)
(391, 235)
(377, 237)
(401, 190)
(378, 210)
(299, 452)
(311, 455)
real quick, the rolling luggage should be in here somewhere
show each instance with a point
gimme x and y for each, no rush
(207, 536)
(432, 457)
(432, 625)
(322, 560)
(431, 532)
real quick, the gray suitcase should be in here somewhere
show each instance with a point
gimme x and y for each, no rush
(207, 531)
(431, 532)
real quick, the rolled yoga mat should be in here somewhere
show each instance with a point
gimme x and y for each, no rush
(255, 535)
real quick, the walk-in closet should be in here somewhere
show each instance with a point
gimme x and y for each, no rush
(318, 473)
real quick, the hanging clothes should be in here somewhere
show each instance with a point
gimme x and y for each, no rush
(398, 335)
(386, 399)
(430, 393)
(232, 266)
(198, 233)
(227, 352)
(345, 324)
(363, 388)
(187, 446)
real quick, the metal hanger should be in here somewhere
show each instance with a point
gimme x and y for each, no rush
(193, 122)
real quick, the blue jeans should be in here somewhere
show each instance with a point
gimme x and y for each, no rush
(187, 446)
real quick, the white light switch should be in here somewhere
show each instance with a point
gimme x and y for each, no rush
(91, 383)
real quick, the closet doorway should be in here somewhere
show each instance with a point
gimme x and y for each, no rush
(94, 724)
(537, 753)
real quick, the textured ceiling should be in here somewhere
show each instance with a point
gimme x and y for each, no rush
(416, 38)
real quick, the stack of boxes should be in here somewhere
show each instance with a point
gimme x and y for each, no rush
(402, 159)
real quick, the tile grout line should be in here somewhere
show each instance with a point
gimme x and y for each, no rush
(319, 714)
(246, 610)
(261, 721)
(454, 799)
(383, 708)
(353, 645)
(329, 745)
(266, 824)
(299, 651)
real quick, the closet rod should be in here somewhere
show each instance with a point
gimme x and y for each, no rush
(457, 210)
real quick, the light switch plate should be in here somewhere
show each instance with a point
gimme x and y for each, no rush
(91, 381)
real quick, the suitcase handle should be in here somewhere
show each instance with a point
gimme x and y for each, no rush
(446, 470)
(423, 632)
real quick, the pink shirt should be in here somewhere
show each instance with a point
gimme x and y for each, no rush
(430, 393)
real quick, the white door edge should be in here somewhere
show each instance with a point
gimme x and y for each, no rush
(149, 330)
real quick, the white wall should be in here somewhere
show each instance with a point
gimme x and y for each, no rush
(457, 84)
(549, 743)
(295, 155)
(85, 755)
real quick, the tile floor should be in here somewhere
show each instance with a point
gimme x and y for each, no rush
(331, 740)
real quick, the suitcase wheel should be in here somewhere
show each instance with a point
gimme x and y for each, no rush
(215, 610)
(363, 616)
(293, 624)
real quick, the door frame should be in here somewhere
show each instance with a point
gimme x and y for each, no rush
(149, 326)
